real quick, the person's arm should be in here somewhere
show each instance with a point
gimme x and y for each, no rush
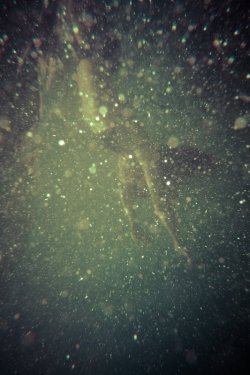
(92, 113)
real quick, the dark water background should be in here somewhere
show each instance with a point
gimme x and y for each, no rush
(77, 294)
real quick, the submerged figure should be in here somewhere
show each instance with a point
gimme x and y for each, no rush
(146, 169)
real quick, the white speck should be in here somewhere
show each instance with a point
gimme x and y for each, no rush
(61, 142)
(135, 337)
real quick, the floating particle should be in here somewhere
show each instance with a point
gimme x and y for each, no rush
(159, 32)
(221, 260)
(216, 43)
(20, 61)
(121, 98)
(68, 173)
(92, 169)
(231, 60)
(191, 60)
(103, 110)
(174, 26)
(37, 42)
(5, 124)
(75, 29)
(61, 142)
(17, 316)
(3, 39)
(184, 39)
(173, 142)
(177, 70)
(140, 74)
(29, 134)
(33, 54)
(191, 27)
(240, 123)
(140, 44)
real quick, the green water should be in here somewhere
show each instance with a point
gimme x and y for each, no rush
(78, 295)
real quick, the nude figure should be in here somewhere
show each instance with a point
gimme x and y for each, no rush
(143, 167)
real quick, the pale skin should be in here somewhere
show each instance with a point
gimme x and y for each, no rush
(131, 141)
(145, 156)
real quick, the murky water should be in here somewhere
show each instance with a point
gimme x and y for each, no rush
(78, 295)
